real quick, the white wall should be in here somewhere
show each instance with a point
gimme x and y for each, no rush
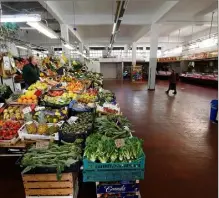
(108, 70)
(94, 66)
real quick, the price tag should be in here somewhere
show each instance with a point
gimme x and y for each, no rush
(40, 108)
(119, 143)
(64, 84)
(26, 110)
(7, 63)
(12, 62)
(1, 105)
(42, 145)
(72, 119)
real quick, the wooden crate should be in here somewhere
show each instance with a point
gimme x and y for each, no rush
(47, 184)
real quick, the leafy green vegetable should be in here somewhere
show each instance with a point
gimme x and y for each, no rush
(110, 128)
(55, 156)
(103, 149)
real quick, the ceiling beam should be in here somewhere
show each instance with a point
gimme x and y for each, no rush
(213, 6)
(164, 9)
(53, 10)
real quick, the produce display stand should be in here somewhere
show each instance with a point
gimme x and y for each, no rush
(52, 155)
(137, 74)
(200, 81)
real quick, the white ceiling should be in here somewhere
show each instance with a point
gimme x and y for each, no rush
(94, 19)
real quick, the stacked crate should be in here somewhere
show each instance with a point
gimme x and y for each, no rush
(47, 185)
(115, 173)
(122, 189)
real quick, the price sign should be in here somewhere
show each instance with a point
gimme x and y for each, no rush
(119, 143)
(26, 110)
(42, 144)
(12, 62)
(72, 119)
(40, 108)
(64, 84)
(7, 63)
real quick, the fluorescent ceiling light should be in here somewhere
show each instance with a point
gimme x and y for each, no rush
(20, 18)
(43, 29)
(114, 28)
(68, 46)
(21, 47)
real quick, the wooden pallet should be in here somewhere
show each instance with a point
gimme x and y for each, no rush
(47, 184)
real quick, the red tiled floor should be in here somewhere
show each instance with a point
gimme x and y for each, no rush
(180, 143)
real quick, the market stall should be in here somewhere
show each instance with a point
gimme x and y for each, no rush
(66, 126)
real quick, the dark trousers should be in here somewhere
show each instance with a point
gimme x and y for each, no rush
(172, 86)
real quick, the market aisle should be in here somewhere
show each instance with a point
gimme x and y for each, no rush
(180, 142)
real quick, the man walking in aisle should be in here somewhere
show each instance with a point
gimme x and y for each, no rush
(172, 82)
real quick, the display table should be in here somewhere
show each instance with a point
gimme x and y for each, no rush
(199, 81)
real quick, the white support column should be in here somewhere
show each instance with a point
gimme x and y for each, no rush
(153, 56)
(134, 54)
(81, 49)
(126, 51)
(65, 35)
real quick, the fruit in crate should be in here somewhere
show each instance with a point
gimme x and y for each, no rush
(9, 129)
(54, 93)
(52, 115)
(13, 113)
(75, 86)
(30, 125)
(58, 100)
(28, 98)
(86, 98)
(38, 85)
(42, 126)
(66, 78)
(70, 95)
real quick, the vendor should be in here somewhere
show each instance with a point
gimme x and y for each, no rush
(31, 72)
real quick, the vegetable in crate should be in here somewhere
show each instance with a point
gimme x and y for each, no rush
(103, 149)
(110, 128)
(54, 156)
(82, 124)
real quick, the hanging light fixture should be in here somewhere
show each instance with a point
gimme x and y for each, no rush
(43, 29)
(20, 18)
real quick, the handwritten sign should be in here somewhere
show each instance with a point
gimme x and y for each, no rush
(42, 144)
(120, 143)
(26, 110)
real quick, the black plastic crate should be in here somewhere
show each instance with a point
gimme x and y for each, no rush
(41, 170)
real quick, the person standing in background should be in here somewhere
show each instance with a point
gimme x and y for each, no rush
(172, 82)
(31, 72)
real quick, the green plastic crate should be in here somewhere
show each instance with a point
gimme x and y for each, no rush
(134, 165)
(116, 175)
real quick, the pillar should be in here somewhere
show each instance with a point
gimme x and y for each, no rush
(125, 51)
(153, 56)
(65, 36)
(81, 49)
(134, 54)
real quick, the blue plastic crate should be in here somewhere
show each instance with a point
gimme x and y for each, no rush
(113, 175)
(117, 187)
(134, 165)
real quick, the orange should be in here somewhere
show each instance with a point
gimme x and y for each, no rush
(22, 97)
(24, 101)
(19, 100)
(29, 101)
(34, 97)
(35, 101)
